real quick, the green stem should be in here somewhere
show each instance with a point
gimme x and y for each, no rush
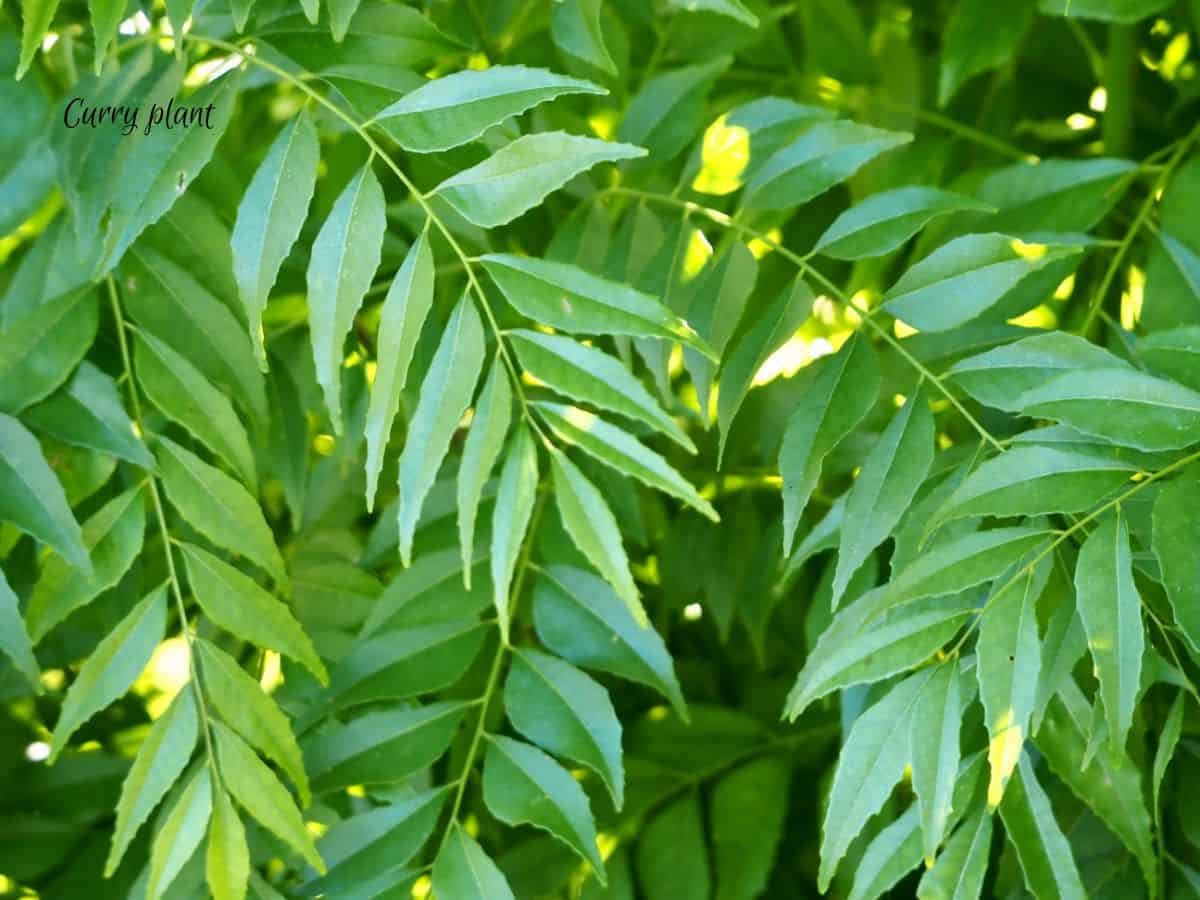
(1120, 73)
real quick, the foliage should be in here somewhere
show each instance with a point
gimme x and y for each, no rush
(434, 474)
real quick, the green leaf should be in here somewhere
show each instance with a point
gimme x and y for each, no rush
(112, 667)
(227, 864)
(520, 175)
(459, 107)
(733, 9)
(569, 299)
(481, 449)
(968, 49)
(1042, 848)
(181, 832)
(867, 770)
(218, 507)
(510, 519)
(669, 109)
(892, 853)
(1122, 406)
(381, 747)
(1168, 740)
(1031, 480)
(936, 753)
(885, 487)
(14, 639)
(345, 255)
(777, 325)
(1174, 354)
(965, 278)
(1054, 195)
(178, 389)
(160, 760)
(88, 413)
(960, 868)
(1176, 531)
(249, 711)
(445, 395)
(166, 161)
(822, 157)
(260, 793)
(672, 857)
(564, 711)
(1008, 664)
(1111, 610)
(524, 786)
(31, 497)
(748, 809)
(236, 603)
(463, 870)
(40, 349)
(575, 27)
(113, 536)
(586, 374)
(883, 222)
(36, 18)
(270, 217)
(580, 618)
(358, 848)
(593, 528)
(405, 308)
(842, 392)
(1120, 11)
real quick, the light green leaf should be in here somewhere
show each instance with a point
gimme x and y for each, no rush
(867, 770)
(236, 603)
(463, 871)
(248, 710)
(776, 326)
(669, 109)
(1111, 611)
(936, 753)
(588, 375)
(181, 832)
(218, 507)
(1054, 195)
(1008, 664)
(968, 49)
(260, 793)
(1063, 645)
(1176, 532)
(960, 868)
(1122, 406)
(88, 413)
(1174, 354)
(564, 711)
(594, 529)
(459, 107)
(885, 487)
(575, 26)
(842, 392)
(823, 156)
(672, 856)
(747, 810)
(113, 537)
(1168, 740)
(569, 299)
(31, 497)
(524, 786)
(341, 12)
(36, 18)
(883, 222)
(891, 854)
(733, 9)
(408, 302)
(112, 667)
(445, 395)
(160, 760)
(345, 255)
(965, 278)
(481, 449)
(182, 394)
(40, 349)
(270, 217)
(1120, 11)
(621, 451)
(580, 618)
(381, 747)
(1042, 848)
(518, 176)
(510, 518)
(14, 640)
(227, 863)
